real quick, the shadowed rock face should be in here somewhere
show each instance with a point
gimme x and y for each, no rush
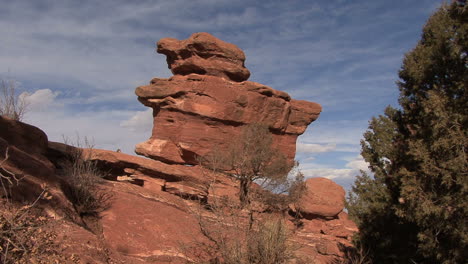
(197, 111)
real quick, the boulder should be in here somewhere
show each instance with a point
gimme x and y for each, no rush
(23, 136)
(196, 112)
(23, 148)
(27, 169)
(323, 198)
(202, 53)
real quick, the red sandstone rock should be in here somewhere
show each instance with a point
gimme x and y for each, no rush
(323, 198)
(23, 136)
(148, 226)
(204, 106)
(23, 150)
(154, 220)
(195, 114)
(204, 54)
(26, 147)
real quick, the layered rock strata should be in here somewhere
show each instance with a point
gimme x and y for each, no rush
(207, 102)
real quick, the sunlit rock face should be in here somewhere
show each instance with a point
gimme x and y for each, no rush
(204, 54)
(208, 100)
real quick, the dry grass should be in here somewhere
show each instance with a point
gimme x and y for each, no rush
(22, 236)
(251, 230)
(82, 182)
(12, 105)
(234, 239)
(354, 255)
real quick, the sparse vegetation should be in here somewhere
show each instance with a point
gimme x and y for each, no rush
(7, 178)
(234, 234)
(22, 236)
(413, 207)
(82, 177)
(269, 243)
(233, 240)
(278, 196)
(12, 105)
(353, 255)
(251, 158)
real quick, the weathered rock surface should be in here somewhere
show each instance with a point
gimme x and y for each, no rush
(148, 226)
(155, 207)
(323, 198)
(23, 162)
(204, 54)
(197, 111)
(21, 136)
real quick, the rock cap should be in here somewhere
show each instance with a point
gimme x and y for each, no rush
(204, 54)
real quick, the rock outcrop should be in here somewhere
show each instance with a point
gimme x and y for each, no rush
(157, 205)
(323, 198)
(204, 54)
(197, 111)
(153, 215)
(24, 162)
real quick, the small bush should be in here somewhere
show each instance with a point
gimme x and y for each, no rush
(82, 180)
(265, 244)
(235, 239)
(354, 255)
(269, 243)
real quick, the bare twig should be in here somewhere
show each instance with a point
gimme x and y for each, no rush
(7, 177)
(11, 105)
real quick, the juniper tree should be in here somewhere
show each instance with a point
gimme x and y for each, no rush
(413, 207)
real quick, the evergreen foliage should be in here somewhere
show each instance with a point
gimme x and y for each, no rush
(414, 206)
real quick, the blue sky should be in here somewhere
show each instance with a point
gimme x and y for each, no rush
(80, 62)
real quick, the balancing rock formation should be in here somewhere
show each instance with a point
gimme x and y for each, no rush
(154, 213)
(208, 100)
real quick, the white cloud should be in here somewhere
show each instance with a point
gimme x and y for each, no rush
(140, 121)
(314, 148)
(358, 164)
(352, 168)
(40, 100)
(103, 127)
(329, 173)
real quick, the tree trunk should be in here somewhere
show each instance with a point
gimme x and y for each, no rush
(244, 192)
